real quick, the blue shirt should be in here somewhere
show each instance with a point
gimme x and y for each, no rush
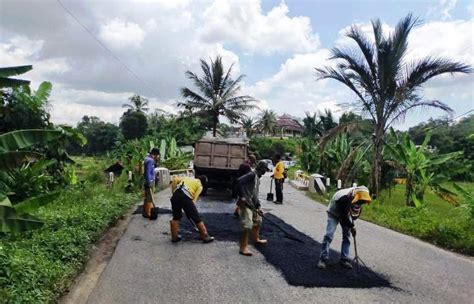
(149, 169)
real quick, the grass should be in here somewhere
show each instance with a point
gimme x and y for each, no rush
(38, 266)
(439, 223)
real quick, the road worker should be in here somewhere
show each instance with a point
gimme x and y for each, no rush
(149, 180)
(186, 191)
(249, 204)
(344, 208)
(279, 178)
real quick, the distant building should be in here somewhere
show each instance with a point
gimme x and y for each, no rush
(288, 126)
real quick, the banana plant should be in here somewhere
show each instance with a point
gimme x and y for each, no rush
(5, 73)
(14, 153)
(415, 162)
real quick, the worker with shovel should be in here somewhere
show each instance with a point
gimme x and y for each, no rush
(186, 191)
(249, 204)
(344, 208)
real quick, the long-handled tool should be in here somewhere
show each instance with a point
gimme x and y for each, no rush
(357, 258)
(270, 194)
(154, 210)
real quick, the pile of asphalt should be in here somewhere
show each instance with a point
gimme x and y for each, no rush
(295, 260)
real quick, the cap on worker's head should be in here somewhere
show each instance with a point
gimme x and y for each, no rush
(155, 151)
(361, 193)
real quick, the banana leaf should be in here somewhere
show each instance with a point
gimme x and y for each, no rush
(13, 159)
(15, 70)
(34, 203)
(11, 221)
(20, 139)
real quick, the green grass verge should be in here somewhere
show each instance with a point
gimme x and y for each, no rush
(439, 222)
(37, 267)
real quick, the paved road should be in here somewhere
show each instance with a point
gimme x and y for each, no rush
(147, 268)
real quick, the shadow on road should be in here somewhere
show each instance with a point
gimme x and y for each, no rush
(296, 261)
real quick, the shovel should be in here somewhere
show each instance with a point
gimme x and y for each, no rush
(270, 194)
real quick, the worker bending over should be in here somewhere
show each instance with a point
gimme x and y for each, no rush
(249, 204)
(186, 192)
(345, 207)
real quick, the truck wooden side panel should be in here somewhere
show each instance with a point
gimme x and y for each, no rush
(219, 155)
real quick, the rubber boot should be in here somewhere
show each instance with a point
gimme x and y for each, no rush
(244, 243)
(174, 227)
(256, 236)
(203, 232)
(147, 209)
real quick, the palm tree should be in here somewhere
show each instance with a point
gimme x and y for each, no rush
(326, 120)
(137, 103)
(267, 121)
(311, 126)
(218, 94)
(248, 124)
(385, 82)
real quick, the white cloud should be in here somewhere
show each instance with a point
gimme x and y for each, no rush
(243, 23)
(120, 34)
(442, 10)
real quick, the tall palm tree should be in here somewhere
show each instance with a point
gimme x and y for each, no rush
(137, 103)
(386, 83)
(218, 94)
(326, 120)
(248, 124)
(267, 121)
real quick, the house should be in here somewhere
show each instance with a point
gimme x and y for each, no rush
(288, 126)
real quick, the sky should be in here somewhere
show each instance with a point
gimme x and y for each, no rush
(112, 49)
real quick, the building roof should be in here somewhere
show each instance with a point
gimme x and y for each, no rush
(289, 123)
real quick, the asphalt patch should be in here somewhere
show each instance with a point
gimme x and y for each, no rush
(296, 260)
(139, 210)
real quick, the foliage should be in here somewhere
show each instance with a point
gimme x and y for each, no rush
(267, 122)
(415, 163)
(450, 137)
(468, 196)
(386, 84)
(133, 124)
(22, 109)
(185, 128)
(5, 73)
(266, 148)
(312, 127)
(218, 94)
(101, 136)
(37, 267)
(249, 126)
(137, 104)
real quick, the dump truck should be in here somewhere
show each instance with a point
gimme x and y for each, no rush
(219, 160)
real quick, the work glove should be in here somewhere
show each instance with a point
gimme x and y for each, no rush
(353, 231)
(260, 212)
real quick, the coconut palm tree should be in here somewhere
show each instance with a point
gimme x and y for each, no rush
(218, 94)
(311, 126)
(248, 124)
(267, 121)
(137, 103)
(385, 81)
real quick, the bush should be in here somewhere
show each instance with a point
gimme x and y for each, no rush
(38, 266)
(266, 148)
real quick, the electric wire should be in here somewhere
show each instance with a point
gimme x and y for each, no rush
(115, 57)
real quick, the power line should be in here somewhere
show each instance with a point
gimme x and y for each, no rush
(450, 120)
(115, 57)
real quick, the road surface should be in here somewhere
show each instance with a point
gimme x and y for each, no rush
(147, 268)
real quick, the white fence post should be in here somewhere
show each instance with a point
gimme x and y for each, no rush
(328, 182)
(339, 184)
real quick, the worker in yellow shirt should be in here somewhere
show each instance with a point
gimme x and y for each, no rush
(186, 191)
(279, 178)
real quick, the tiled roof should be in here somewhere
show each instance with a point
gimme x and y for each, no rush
(289, 123)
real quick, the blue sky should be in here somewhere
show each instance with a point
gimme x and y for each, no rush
(276, 44)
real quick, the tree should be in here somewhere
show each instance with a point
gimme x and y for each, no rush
(385, 81)
(133, 124)
(248, 124)
(21, 108)
(218, 94)
(101, 136)
(137, 103)
(311, 126)
(326, 120)
(267, 121)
